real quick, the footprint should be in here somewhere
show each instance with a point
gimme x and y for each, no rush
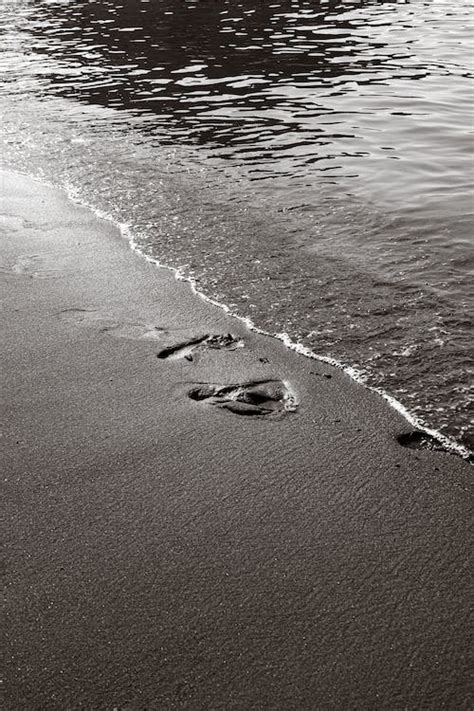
(416, 439)
(11, 223)
(26, 264)
(253, 398)
(119, 329)
(185, 349)
(34, 266)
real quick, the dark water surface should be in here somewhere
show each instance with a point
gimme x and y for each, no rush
(308, 163)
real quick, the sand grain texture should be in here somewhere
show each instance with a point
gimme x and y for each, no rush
(162, 553)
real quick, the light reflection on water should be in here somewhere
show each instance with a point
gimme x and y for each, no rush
(310, 163)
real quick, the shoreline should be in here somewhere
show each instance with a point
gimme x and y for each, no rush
(165, 551)
(444, 441)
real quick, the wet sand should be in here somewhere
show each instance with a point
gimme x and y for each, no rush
(166, 551)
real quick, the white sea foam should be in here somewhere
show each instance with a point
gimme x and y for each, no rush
(354, 373)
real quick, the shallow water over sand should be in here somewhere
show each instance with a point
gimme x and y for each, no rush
(310, 164)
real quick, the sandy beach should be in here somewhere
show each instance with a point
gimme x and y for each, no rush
(227, 526)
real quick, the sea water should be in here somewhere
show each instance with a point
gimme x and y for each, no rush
(309, 164)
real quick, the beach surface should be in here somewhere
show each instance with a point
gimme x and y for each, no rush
(265, 543)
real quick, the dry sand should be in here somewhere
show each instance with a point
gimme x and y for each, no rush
(164, 552)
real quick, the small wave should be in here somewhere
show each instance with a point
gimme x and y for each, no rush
(355, 374)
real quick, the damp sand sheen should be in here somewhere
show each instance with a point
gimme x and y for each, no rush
(199, 517)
